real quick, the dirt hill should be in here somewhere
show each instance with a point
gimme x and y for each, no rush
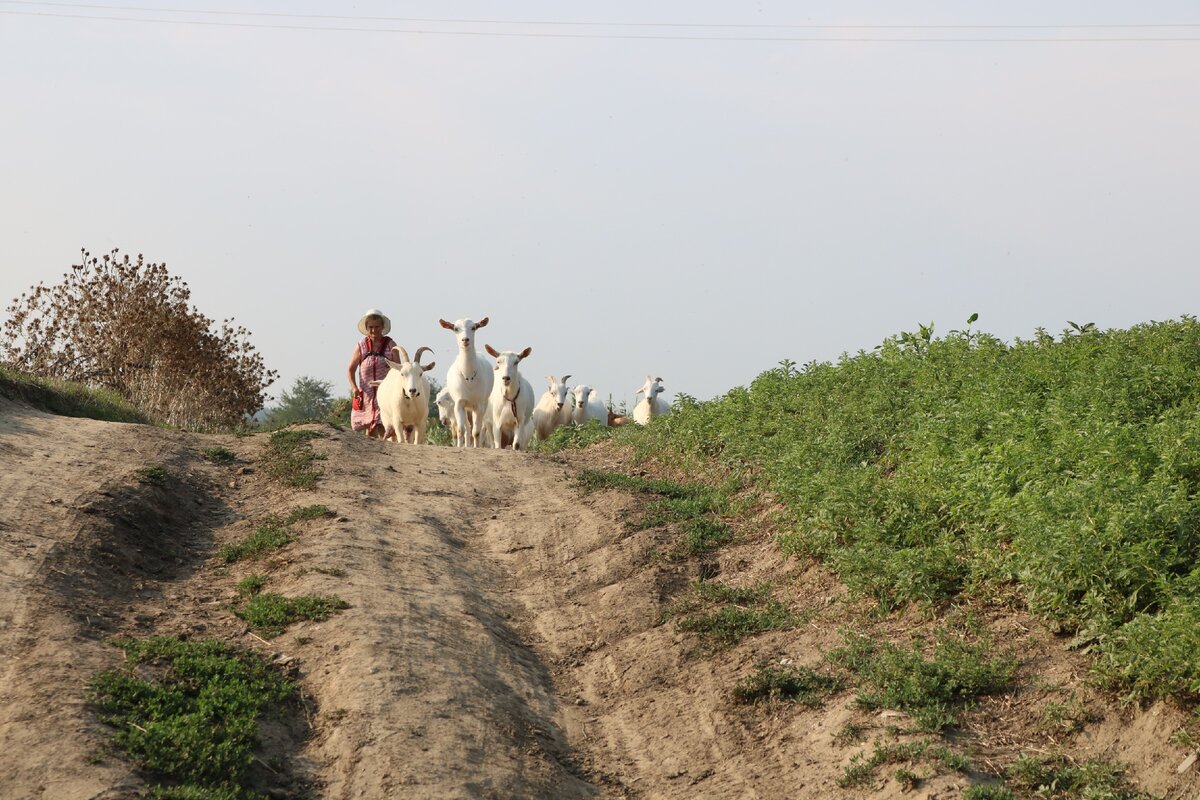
(504, 636)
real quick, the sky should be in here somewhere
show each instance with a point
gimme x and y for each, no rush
(694, 190)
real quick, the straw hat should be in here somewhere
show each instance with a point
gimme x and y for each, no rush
(374, 312)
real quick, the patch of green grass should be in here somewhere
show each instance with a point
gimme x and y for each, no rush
(270, 536)
(693, 507)
(1065, 718)
(576, 437)
(290, 459)
(336, 572)
(724, 615)
(251, 585)
(988, 791)
(850, 733)
(273, 534)
(796, 684)
(154, 476)
(269, 613)
(929, 689)
(187, 713)
(68, 399)
(1058, 778)
(307, 512)
(861, 771)
(219, 454)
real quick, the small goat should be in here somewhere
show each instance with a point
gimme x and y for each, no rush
(511, 401)
(551, 409)
(403, 397)
(651, 405)
(445, 404)
(469, 383)
(588, 406)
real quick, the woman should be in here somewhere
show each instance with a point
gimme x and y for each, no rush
(368, 364)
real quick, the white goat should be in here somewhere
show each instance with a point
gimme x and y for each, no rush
(551, 409)
(403, 397)
(588, 406)
(469, 383)
(651, 405)
(511, 401)
(445, 404)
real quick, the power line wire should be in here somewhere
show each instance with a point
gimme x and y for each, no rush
(479, 21)
(652, 37)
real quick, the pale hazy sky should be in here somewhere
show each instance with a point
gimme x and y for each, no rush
(696, 202)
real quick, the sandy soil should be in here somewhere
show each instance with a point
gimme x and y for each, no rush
(504, 637)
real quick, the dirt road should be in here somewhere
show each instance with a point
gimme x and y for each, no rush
(503, 637)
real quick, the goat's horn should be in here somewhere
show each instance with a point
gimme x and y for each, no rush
(417, 356)
(403, 354)
(658, 379)
(564, 378)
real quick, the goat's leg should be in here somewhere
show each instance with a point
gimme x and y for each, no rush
(460, 419)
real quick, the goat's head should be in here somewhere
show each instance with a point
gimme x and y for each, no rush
(582, 392)
(558, 389)
(412, 373)
(464, 330)
(652, 388)
(445, 404)
(506, 363)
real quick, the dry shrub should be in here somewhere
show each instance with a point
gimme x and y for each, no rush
(127, 325)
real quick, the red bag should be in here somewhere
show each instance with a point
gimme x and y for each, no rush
(357, 402)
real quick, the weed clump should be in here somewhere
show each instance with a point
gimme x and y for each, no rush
(290, 459)
(695, 509)
(1056, 777)
(724, 615)
(930, 689)
(274, 533)
(802, 685)
(187, 712)
(219, 455)
(270, 613)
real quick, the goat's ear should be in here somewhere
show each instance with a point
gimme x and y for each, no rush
(481, 323)
(525, 353)
(427, 367)
(491, 351)
(447, 325)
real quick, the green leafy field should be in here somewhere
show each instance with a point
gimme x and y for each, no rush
(1061, 472)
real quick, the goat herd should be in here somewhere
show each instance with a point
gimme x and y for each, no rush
(492, 406)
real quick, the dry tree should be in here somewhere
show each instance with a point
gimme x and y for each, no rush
(127, 325)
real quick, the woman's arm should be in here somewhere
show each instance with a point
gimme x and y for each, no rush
(355, 360)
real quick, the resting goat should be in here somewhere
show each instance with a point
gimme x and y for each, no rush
(551, 409)
(588, 406)
(403, 397)
(469, 383)
(651, 405)
(511, 401)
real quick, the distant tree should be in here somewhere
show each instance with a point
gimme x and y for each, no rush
(308, 399)
(128, 326)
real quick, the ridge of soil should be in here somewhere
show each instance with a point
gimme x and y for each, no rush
(504, 637)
